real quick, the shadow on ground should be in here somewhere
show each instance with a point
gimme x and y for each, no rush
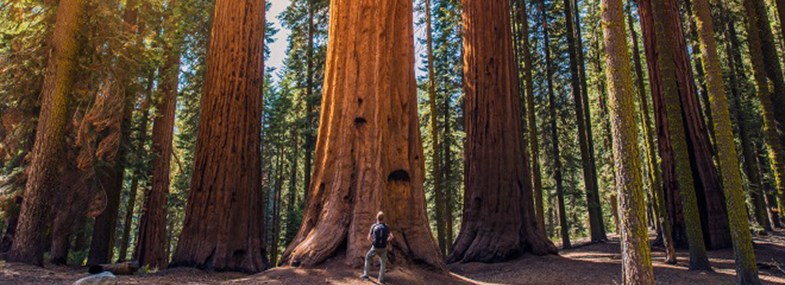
(584, 264)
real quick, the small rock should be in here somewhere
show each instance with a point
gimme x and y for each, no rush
(104, 278)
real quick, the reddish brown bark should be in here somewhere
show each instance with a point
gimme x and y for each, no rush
(499, 221)
(223, 225)
(369, 155)
(151, 244)
(711, 201)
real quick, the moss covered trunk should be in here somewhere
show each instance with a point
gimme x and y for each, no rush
(636, 255)
(44, 170)
(746, 268)
(674, 151)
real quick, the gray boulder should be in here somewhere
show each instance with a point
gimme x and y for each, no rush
(103, 278)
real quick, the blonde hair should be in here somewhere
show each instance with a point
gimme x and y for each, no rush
(380, 216)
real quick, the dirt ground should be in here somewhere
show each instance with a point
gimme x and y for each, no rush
(583, 264)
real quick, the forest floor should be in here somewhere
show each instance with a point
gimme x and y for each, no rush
(582, 264)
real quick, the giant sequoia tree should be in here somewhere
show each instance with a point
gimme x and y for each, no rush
(50, 137)
(664, 75)
(368, 153)
(499, 220)
(223, 220)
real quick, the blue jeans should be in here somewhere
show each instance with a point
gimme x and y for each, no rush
(382, 253)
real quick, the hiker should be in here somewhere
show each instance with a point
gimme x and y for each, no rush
(379, 237)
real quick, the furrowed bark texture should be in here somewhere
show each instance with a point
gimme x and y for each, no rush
(369, 155)
(708, 186)
(664, 76)
(499, 221)
(223, 225)
(636, 255)
(746, 268)
(50, 137)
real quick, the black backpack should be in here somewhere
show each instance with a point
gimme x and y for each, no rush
(380, 234)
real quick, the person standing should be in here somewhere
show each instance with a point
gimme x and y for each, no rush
(379, 236)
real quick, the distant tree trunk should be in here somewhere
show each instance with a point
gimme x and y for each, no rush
(531, 118)
(448, 189)
(291, 195)
(102, 241)
(368, 153)
(129, 212)
(223, 225)
(557, 165)
(499, 221)
(151, 244)
(655, 177)
(49, 145)
(587, 155)
(746, 268)
(742, 116)
(774, 73)
(276, 234)
(588, 120)
(436, 166)
(674, 150)
(636, 255)
(771, 137)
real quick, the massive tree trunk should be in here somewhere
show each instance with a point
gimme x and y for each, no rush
(665, 83)
(746, 268)
(368, 152)
(436, 167)
(636, 255)
(531, 118)
(654, 173)
(223, 225)
(708, 186)
(49, 145)
(587, 155)
(151, 242)
(766, 96)
(499, 221)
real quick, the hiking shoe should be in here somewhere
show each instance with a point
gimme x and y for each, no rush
(365, 277)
